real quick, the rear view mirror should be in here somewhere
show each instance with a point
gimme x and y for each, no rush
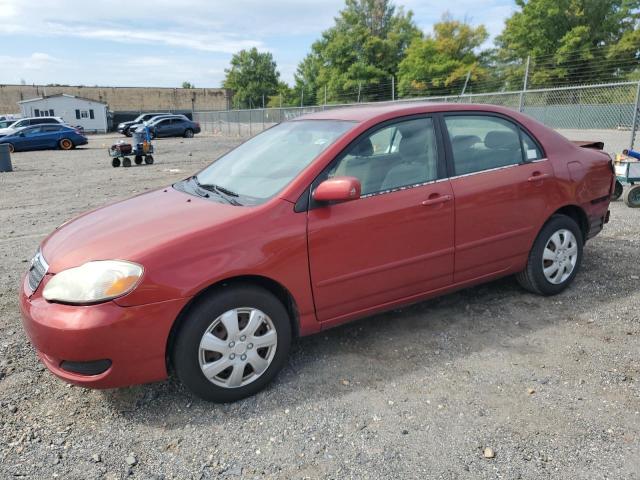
(338, 189)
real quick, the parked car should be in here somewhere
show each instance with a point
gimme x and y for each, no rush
(313, 223)
(6, 123)
(26, 122)
(42, 137)
(124, 127)
(172, 126)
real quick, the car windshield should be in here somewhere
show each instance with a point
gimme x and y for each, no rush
(263, 165)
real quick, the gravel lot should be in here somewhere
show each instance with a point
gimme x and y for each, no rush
(551, 385)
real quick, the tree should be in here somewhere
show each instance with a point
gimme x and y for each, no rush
(572, 41)
(436, 63)
(251, 76)
(362, 49)
(188, 85)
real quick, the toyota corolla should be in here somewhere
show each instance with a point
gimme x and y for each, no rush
(314, 222)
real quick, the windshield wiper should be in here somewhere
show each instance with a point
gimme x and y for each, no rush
(228, 195)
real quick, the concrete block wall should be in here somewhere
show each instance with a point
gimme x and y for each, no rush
(124, 98)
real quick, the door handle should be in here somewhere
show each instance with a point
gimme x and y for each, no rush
(436, 199)
(537, 176)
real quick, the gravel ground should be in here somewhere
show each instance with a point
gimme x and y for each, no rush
(549, 385)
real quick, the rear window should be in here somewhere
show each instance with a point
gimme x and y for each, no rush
(482, 142)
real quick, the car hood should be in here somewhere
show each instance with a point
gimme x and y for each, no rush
(6, 131)
(134, 228)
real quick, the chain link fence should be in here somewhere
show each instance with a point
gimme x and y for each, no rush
(606, 112)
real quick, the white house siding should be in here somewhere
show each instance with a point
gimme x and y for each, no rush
(69, 108)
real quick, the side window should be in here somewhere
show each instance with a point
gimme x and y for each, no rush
(481, 142)
(33, 131)
(398, 155)
(530, 148)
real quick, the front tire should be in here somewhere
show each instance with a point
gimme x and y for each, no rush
(555, 257)
(232, 343)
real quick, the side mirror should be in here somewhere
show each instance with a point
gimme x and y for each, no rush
(338, 189)
(21, 134)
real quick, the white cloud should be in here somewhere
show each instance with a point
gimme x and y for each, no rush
(195, 38)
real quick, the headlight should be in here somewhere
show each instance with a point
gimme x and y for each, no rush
(120, 125)
(93, 282)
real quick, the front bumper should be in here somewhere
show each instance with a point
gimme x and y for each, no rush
(133, 339)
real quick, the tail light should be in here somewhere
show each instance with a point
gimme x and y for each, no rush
(198, 124)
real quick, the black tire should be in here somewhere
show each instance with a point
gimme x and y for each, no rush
(185, 352)
(148, 159)
(632, 197)
(11, 147)
(188, 133)
(138, 159)
(532, 278)
(126, 162)
(128, 133)
(617, 190)
(115, 163)
(65, 144)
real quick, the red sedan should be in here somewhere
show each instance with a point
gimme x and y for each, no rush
(312, 223)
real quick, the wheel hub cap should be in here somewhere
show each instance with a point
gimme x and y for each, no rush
(237, 347)
(560, 256)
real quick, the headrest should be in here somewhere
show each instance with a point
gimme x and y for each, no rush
(364, 148)
(500, 139)
(464, 141)
(413, 145)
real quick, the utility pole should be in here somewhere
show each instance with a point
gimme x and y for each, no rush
(359, 89)
(263, 100)
(525, 84)
(325, 95)
(302, 95)
(393, 88)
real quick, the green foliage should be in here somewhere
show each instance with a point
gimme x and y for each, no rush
(252, 74)
(364, 47)
(188, 85)
(571, 41)
(433, 64)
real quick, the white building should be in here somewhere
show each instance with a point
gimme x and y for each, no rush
(77, 111)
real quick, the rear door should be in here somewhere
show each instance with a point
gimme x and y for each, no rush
(501, 183)
(396, 241)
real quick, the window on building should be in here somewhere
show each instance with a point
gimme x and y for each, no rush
(91, 115)
(36, 112)
(77, 114)
(51, 113)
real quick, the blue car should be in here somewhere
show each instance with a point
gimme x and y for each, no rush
(41, 137)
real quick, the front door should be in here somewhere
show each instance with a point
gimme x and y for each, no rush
(396, 241)
(500, 182)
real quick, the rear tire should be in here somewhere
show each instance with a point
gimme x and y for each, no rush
(148, 159)
(632, 197)
(237, 366)
(554, 259)
(138, 159)
(126, 162)
(188, 133)
(11, 147)
(66, 144)
(115, 163)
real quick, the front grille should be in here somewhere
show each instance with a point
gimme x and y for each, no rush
(37, 271)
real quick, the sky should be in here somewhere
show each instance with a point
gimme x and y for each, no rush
(165, 42)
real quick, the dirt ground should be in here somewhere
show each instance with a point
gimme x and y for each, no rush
(551, 385)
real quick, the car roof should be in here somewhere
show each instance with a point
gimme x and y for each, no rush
(390, 110)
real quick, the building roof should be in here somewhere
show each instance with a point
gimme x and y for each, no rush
(44, 97)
